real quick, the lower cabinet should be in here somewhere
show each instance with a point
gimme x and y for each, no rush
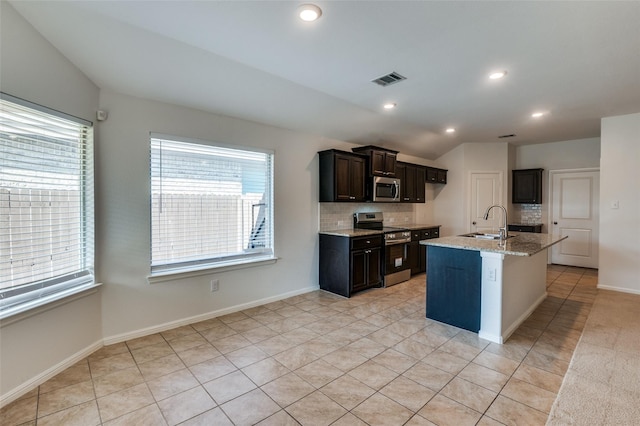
(350, 264)
(454, 287)
(418, 252)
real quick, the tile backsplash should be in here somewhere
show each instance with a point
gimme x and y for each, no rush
(528, 213)
(340, 215)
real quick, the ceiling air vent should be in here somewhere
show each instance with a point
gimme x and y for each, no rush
(388, 79)
(506, 136)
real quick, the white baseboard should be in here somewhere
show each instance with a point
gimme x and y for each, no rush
(203, 317)
(620, 289)
(36, 381)
(514, 326)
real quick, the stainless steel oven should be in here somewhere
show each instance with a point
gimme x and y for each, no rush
(396, 256)
(385, 189)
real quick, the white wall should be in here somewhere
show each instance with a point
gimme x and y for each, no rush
(452, 209)
(132, 306)
(572, 154)
(31, 347)
(620, 181)
(449, 211)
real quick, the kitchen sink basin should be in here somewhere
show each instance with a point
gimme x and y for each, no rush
(483, 236)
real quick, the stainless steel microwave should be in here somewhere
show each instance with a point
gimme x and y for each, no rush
(385, 189)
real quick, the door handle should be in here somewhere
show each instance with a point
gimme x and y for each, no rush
(474, 222)
(555, 223)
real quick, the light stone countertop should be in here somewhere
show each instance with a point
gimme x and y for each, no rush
(412, 226)
(522, 244)
(350, 232)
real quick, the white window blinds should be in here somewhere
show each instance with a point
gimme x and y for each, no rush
(46, 202)
(210, 205)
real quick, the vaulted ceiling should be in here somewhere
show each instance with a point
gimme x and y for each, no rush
(574, 61)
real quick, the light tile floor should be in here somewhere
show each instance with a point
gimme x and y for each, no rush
(319, 359)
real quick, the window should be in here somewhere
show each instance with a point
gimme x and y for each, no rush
(46, 205)
(211, 205)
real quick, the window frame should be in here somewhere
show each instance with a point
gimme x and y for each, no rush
(40, 294)
(170, 271)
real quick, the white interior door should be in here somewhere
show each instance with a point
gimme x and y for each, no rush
(486, 190)
(575, 213)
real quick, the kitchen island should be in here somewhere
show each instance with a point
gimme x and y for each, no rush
(487, 286)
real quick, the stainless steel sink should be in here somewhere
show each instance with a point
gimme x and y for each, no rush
(483, 236)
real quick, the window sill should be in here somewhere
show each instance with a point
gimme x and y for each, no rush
(176, 274)
(34, 307)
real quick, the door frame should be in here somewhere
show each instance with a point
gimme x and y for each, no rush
(550, 226)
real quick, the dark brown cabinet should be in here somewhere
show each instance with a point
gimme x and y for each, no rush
(412, 186)
(348, 265)
(417, 252)
(537, 229)
(342, 176)
(526, 186)
(435, 175)
(382, 162)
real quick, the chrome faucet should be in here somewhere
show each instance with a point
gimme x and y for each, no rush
(503, 231)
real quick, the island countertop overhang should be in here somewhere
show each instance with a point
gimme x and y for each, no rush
(521, 244)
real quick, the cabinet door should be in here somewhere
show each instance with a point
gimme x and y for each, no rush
(390, 164)
(526, 186)
(423, 259)
(349, 178)
(375, 267)
(421, 177)
(414, 257)
(441, 176)
(359, 270)
(432, 175)
(357, 175)
(410, 183)
(378, 160)
(343, 178)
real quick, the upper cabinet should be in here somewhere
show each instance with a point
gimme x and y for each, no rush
(413, 177)
(382, 162)
(436, 175)
(526, 186)
(342, 176)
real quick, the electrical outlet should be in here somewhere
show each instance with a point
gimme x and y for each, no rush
(492, 274)
(215, 285)
(340, 223)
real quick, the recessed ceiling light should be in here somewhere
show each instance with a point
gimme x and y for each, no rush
(450, 130)
(537, 114)
(497, 75)
(309, 12)
(389, 106)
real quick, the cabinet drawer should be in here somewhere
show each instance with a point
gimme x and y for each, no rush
(366, 242)
(424, 234)
(526, 228)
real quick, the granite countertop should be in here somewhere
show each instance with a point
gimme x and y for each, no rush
(522, 244)
(350, 232)
(412, 226)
